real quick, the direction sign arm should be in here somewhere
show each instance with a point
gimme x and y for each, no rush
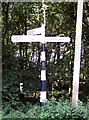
(38, 38)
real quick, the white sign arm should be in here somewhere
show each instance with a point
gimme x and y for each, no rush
(38, 38)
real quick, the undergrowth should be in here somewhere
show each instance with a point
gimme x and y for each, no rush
(52, 110)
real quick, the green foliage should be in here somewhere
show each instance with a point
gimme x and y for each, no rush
(8, 58)
(52, 109)
(11, 82)
(60, 21)
(10, 87)
(0, 115)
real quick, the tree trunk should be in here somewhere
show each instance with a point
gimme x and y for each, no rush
(6, 22)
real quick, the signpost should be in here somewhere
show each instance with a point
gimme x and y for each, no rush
(38, 35)
(43, 40)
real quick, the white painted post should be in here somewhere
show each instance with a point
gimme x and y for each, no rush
(43, 93)
(77, 54)
(43, 40)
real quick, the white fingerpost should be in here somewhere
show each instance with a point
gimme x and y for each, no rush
(43, 40)
(38, 35)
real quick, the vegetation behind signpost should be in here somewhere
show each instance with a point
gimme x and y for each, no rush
(19, 65)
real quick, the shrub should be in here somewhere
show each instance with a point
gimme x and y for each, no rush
(52, 109)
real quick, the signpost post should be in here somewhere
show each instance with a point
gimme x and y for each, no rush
(43, 40)
(38, 35)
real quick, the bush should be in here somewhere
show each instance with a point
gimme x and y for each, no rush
(52, 110)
